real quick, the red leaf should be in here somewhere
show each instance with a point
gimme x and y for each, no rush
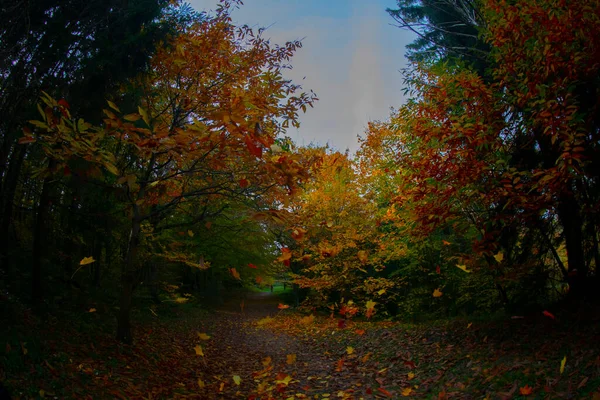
(26, 140)
(410, 364)
(548, 314)
(384, 392)
(63, 103)
(244, 183)
(252, 266)
(437, 269)
(252, 147)
(342, 323)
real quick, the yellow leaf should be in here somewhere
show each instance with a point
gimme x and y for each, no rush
(411, 375)
(562, 364)
(111, 168)
(285, 381)
(87, 260)
(132, 117)
(499, 257)
(291, 358)
(469, 325)
(201, 383)
(144, 115)
(463, 267)
(181, 300)
(382, 291)
(42, 394)
(190, 233)
(203, 336)
(113, 106)
(237, 379)
(437, 293)
(92, 310)
(266, 362)
(349, 350)
(406, 391)
(363, 256)
(199, 351)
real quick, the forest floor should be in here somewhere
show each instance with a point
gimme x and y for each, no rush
(257, 351)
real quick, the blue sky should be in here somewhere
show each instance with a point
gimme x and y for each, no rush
(351, 57)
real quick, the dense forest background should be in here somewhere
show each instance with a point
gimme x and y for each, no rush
(144, 161)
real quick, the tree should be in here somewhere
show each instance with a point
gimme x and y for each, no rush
(69, 49)
(507, 155)
(210, 110)
(336, 244)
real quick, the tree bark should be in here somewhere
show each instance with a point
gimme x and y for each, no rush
(128, 282)
(570, 218)
(40, 237)
(8, 196)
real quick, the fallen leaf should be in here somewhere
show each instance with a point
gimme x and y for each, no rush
(406, 391)
(548, 314)
(437, 293)
(203, 336)
(499, 257)
(349, 350)
(463, 267)
(410, 375)
(469, 325)
(237, 380)
(384, 392)
(235, 274)
(282, 306)
(92, 310)
(250, 265)
(562, 364)
(291, 359)
(201, 383)
(86, 260)
(360, 332)
(446, 243)
(190, 233)
(199, 351)
(526, 390)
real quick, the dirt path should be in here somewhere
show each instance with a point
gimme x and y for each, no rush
(238, 347)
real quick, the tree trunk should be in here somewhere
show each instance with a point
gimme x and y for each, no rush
(128, 281)
(40, 238)
(7, 197)
(570, 218)
(124, 317)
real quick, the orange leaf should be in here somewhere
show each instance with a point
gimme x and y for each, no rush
(250, 265)
(244, 183)
(384, 392)
(235, 274)
(526, 390)
(282, 306)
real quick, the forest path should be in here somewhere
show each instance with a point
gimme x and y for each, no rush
(239, 346)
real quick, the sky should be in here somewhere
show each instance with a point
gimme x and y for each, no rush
(351, 57)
